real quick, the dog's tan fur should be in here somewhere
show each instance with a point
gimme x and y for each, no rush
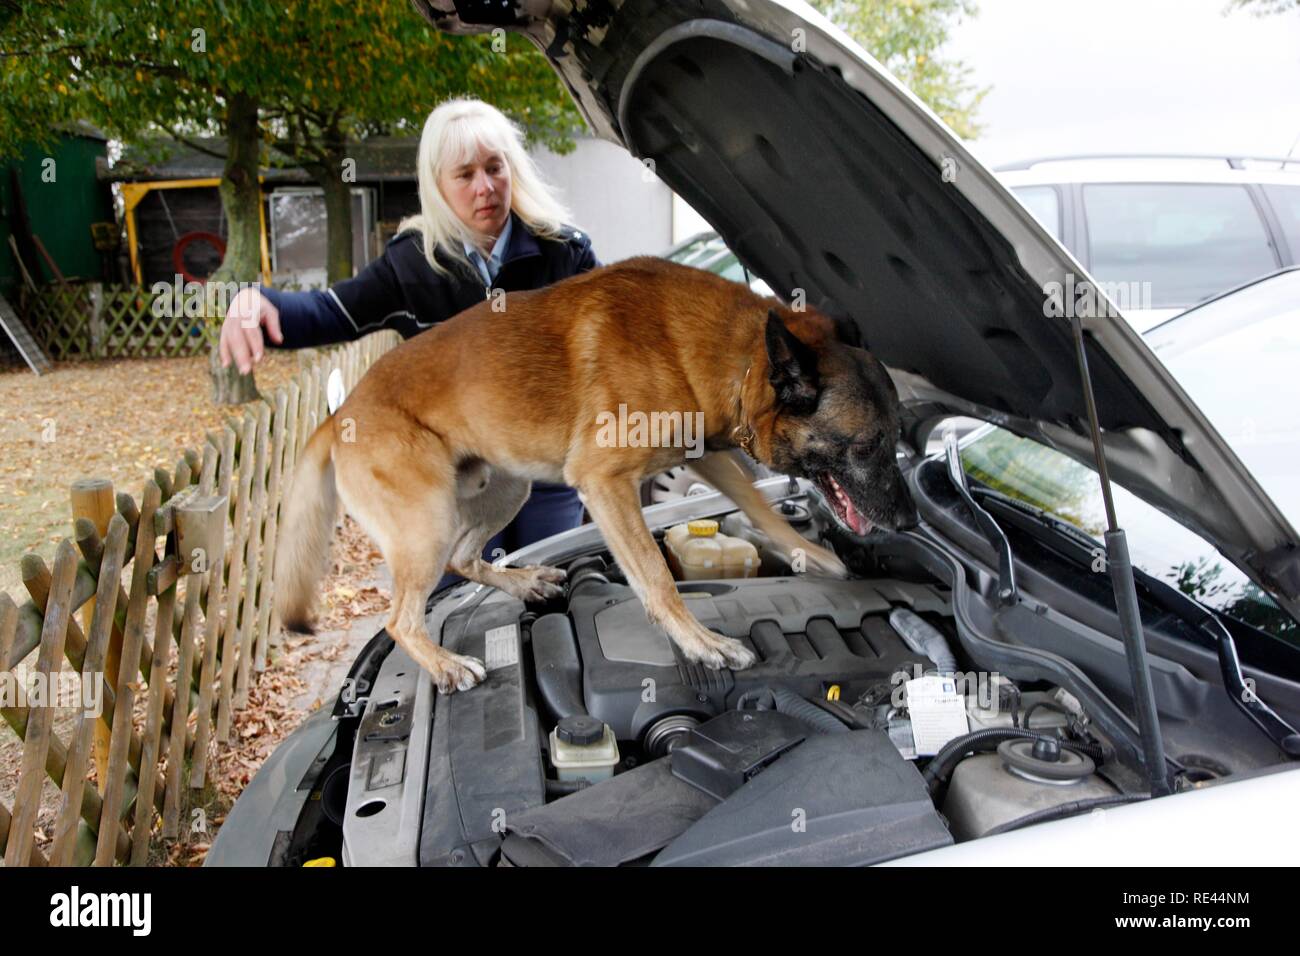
(436, 448)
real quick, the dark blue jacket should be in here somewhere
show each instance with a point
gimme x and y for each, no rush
(401, 291)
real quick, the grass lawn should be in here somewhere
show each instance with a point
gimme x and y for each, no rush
(116, 419)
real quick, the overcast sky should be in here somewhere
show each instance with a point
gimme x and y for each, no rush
(1082, 76)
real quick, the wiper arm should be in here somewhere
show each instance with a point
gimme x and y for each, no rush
(1243, 695)
(1042, 516)
(1007, 592)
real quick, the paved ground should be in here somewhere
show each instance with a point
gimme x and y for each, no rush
(323, 677)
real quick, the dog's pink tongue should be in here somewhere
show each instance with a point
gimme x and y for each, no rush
(859, 524)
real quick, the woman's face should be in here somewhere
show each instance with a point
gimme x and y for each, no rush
(478, 191)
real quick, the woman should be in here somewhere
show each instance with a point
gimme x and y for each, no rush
(487, 222)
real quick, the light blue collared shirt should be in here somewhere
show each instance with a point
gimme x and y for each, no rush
(488, 270)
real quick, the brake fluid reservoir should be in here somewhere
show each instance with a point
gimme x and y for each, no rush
(583, 748)
(698, 555)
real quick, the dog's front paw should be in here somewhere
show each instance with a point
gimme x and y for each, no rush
(453, 672)
(716, 652)
(538, 582)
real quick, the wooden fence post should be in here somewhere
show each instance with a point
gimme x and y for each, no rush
(93, 498)
(97, 639)
(36, 743)
(252, 559)
(212, 617)
(199, 523)
(132, 645)
(163, 584)
(267, 587)
(229, 643)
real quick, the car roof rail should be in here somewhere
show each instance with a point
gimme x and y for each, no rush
(1234, 161)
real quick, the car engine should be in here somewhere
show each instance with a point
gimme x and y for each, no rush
(592, 741)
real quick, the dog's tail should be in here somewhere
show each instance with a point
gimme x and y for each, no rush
(305, 531)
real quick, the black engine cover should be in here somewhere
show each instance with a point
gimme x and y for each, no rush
(808, 633)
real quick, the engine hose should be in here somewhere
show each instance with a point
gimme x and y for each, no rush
(942, 764)
(791, 704)
(1066, 810)
(921, 637)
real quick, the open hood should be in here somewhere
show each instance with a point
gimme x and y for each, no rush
(824, 174)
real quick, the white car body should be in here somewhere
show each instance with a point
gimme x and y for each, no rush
(1071, 176)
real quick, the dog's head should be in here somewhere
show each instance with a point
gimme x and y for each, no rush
(836, 423)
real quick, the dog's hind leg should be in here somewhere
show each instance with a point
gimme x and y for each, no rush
(414, 525)
(732, 477)
(415, 572)
(616, 509)
(487, 509)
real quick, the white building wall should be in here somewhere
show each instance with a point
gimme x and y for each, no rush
(626, 210)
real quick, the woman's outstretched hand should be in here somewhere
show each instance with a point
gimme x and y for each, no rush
(241, 332)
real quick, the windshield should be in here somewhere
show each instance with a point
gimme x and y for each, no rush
(1238, 357)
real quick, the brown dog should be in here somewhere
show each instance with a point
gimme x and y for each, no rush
(436, 448)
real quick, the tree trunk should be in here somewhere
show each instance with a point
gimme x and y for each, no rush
(337, 187)
(241, 199)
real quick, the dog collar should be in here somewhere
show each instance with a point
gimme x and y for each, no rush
(743, 434)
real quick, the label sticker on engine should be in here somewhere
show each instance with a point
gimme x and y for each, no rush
(501, 647)
(938, 712)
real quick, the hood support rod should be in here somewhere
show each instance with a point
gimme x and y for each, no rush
(1125, 588)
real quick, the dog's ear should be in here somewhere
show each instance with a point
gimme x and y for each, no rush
(792, 368)
(846, 330)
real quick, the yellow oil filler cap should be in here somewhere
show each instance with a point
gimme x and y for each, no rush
(321, 861)
(702, 528)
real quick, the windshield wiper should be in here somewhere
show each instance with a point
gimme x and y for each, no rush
(1042, 516)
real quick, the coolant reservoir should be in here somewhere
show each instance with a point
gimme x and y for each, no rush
(739, 557)
(699, 553)
(675, 535)
(698, 550)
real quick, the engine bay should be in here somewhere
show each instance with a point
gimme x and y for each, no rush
(879, 721)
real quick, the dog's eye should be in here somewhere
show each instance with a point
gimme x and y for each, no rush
(865, 448)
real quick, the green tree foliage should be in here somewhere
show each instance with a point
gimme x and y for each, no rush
(906, 36)
(305, 76)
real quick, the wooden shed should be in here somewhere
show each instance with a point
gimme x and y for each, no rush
(174, 221)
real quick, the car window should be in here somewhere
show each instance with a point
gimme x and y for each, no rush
(711, 253)
(701, 252)
(1190, 241)
(1159, 545)
(1044, 203)
(1285, 201)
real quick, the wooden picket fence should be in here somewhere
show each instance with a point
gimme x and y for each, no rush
(90, 320)
(210, 590)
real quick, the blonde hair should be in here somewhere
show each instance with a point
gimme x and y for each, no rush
(452, 136)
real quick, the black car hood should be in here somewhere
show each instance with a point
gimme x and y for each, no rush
(825, 175)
